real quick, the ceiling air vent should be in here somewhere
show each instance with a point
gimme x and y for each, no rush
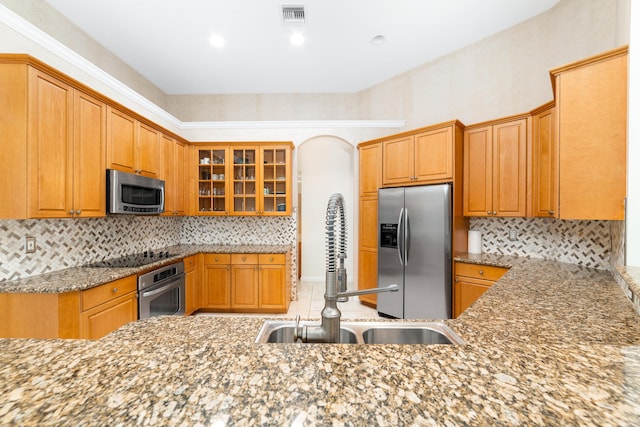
(293, 14)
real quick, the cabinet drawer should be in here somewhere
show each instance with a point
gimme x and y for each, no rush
(212, 259)
(275, 259)
(189, 263)
(478, 271)
(104, 293)
(239, 259)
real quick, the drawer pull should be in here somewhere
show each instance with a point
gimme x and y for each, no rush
(481, 272)
(244, 258)
(270, 259)
(114, 290)
(217, 259)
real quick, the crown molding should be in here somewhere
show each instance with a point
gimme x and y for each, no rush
(44, 40)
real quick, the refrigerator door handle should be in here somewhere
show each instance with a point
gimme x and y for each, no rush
(405, 230)
(400, 237)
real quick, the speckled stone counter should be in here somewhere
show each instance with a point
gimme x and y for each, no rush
(548, 344)
(80, 278)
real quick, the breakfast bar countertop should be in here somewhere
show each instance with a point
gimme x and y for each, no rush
(548, 344)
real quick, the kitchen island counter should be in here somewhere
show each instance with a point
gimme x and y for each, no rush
(580, 367)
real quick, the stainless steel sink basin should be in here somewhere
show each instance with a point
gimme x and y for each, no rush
(284, 334)
(281, 331)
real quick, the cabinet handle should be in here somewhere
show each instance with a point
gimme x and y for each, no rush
(114, 290)
(456, 280)
(488, 212)
(71, 212)
(270, 259)
(217, 259)
(244, 258)
(78, 212)
(495, 213)
(481, 272)
(552, 212)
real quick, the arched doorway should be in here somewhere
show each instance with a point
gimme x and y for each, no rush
(325, 166)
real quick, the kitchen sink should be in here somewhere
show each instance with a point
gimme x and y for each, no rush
(281, 331)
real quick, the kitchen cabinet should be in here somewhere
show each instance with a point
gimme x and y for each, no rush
(256, 283)
(419, 158)
(245, 179)
(370, 180)
(86, 314)
(495, 168)
(132, 146)
(107, 307)
(194, 288)
(591, 99)
(217, 281)
(174, 176)
(54, 167)
(545, 162)
(470, 282)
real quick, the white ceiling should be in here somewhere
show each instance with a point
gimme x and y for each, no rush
(167, 41)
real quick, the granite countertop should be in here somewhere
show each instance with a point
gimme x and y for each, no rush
(548, 344)
(81, 278)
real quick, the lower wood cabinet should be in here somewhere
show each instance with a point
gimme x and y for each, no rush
(470, 282)
(193, 283)
(88, 314)
(252, 283)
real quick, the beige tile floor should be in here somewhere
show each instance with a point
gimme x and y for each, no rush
(309, 304)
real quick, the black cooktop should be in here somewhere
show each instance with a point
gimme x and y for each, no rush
(134, 260)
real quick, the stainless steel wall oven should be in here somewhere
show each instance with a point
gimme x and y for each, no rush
(162, 291)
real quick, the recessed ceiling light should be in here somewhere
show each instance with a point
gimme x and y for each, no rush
(216, 40)
(378, 40)
(297, 39)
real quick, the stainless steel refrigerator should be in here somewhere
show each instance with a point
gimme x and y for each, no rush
(414, 251)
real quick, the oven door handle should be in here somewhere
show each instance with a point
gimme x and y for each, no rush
(161, 290)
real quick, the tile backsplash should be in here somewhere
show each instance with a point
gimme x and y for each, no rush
(597, 244)
(64, 243)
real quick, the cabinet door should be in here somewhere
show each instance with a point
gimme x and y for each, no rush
(369, 224)
(271, 291)
(245, 184)
(477, 172)
(217, 286)
(169, 172)
(244, 286)
(592, 124)
(105, 318)
(510, 168)
(89, 149)
(50, 147)
(466, 292)
(368, 274)
(148, 151)
(397, 158)
(121, 141)
(370, 169)
(179, 179)
(275, 181)
(213, 180)
(545, 165)
(433, 155)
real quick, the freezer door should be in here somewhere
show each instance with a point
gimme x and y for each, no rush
(390, 268)
(427, 274)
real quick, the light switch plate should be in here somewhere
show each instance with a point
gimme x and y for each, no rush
(513, 235)
(29, 245)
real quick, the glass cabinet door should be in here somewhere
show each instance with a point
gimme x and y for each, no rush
(275, 180)
(212, 179)
(244, 180)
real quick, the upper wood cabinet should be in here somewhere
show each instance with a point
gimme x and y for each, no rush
(545, 162)
(174, 176)
(495, 168)
(422, 157)
(54, 165)
(244, 179)
(591, 99)
(132, 146)
(370, 168)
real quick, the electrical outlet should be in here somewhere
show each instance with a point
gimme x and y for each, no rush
(29, 245)
(262, 228)
(513, 235)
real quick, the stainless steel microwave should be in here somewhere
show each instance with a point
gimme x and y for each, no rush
(134, 194)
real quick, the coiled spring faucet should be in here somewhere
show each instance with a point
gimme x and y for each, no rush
(335, 279)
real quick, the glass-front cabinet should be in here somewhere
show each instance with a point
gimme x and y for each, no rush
(244, 179)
